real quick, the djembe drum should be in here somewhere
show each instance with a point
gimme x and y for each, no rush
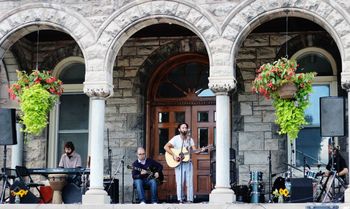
(57, 182)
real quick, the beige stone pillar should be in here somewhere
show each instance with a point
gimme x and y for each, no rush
(96, 193)
(222, 192)
(346, 85)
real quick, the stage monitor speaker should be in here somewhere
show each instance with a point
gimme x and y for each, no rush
(232, 173)
(28, 198)
(112, 190)
(8, 126)
(332, 113)
(301, 190)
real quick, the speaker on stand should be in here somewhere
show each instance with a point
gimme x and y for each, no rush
(7, 137)
(332, 113)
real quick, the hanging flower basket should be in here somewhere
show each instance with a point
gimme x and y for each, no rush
(287, 90)
(37, 93)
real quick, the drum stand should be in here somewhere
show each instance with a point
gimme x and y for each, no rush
(330, 191)
(4, 176)
(331, 177)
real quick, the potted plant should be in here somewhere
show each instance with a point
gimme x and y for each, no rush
(289, 110)
(37, 92)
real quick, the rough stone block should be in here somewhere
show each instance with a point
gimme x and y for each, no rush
(246, 108)
(256, 157)
(256, 40)
(257, 127)
(251, 141)
(266, 52)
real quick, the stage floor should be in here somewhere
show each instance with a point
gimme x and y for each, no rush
(187, 206)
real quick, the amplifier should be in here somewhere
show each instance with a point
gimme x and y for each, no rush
(112, 188)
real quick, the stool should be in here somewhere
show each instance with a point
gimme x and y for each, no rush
(135, 197)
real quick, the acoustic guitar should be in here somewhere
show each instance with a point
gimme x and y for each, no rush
(185, 155)
(150, 172)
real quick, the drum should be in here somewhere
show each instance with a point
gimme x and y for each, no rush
(256, 176)
(256, 186)
(57, 182)
(311, 174)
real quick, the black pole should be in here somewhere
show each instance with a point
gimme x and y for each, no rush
(304, 169)
(270, 177)
(122, 181)
(4, 176)
(109, 156)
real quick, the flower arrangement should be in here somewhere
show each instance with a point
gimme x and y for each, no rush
(281, 194)
(289, 112)
(37, 92)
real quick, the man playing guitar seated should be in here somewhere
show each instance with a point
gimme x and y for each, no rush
(146, 171)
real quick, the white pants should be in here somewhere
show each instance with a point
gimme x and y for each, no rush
(187, 174)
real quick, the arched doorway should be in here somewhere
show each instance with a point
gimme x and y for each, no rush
(178, 92)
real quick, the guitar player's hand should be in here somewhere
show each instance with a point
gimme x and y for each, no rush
(176, 158)
(156, 175)
(143, 172)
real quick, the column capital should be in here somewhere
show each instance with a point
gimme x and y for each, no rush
(98, 89)
(345, 81)
(222, 84)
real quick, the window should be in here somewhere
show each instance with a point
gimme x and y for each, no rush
(310, 145)
(69, 121)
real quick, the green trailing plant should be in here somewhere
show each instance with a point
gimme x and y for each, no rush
(37, 93)
(289, 112)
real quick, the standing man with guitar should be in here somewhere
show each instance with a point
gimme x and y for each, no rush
(146, 171)
(184, 170)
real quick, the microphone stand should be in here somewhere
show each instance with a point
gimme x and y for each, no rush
(120, 165)
(304, 161)
(4, 176)
(270, 177)
(181, 155)
(109, 156)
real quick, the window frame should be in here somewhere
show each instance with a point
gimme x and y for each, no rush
(54, 113)
(319, 80)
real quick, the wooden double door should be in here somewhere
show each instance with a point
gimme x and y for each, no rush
(201, 119)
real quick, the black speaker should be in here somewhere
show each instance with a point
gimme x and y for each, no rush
(112, 189)
(28, 197)
(332, 113)
(8, 127)
(301, 190)
(71, 193)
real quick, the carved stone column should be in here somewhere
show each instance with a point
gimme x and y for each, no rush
(96, 193)
(222, 192)
(346, 85)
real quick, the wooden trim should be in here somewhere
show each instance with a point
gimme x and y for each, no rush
(167, 67)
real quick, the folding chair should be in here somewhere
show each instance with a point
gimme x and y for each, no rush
(23, 175)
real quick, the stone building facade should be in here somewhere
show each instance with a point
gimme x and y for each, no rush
(230, 38)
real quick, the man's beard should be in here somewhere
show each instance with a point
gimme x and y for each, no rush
(69, 153)
(183, 133)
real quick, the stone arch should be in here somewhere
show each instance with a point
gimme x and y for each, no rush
(156, 58)
(24, 20)
(331, 17)
(122, 24)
